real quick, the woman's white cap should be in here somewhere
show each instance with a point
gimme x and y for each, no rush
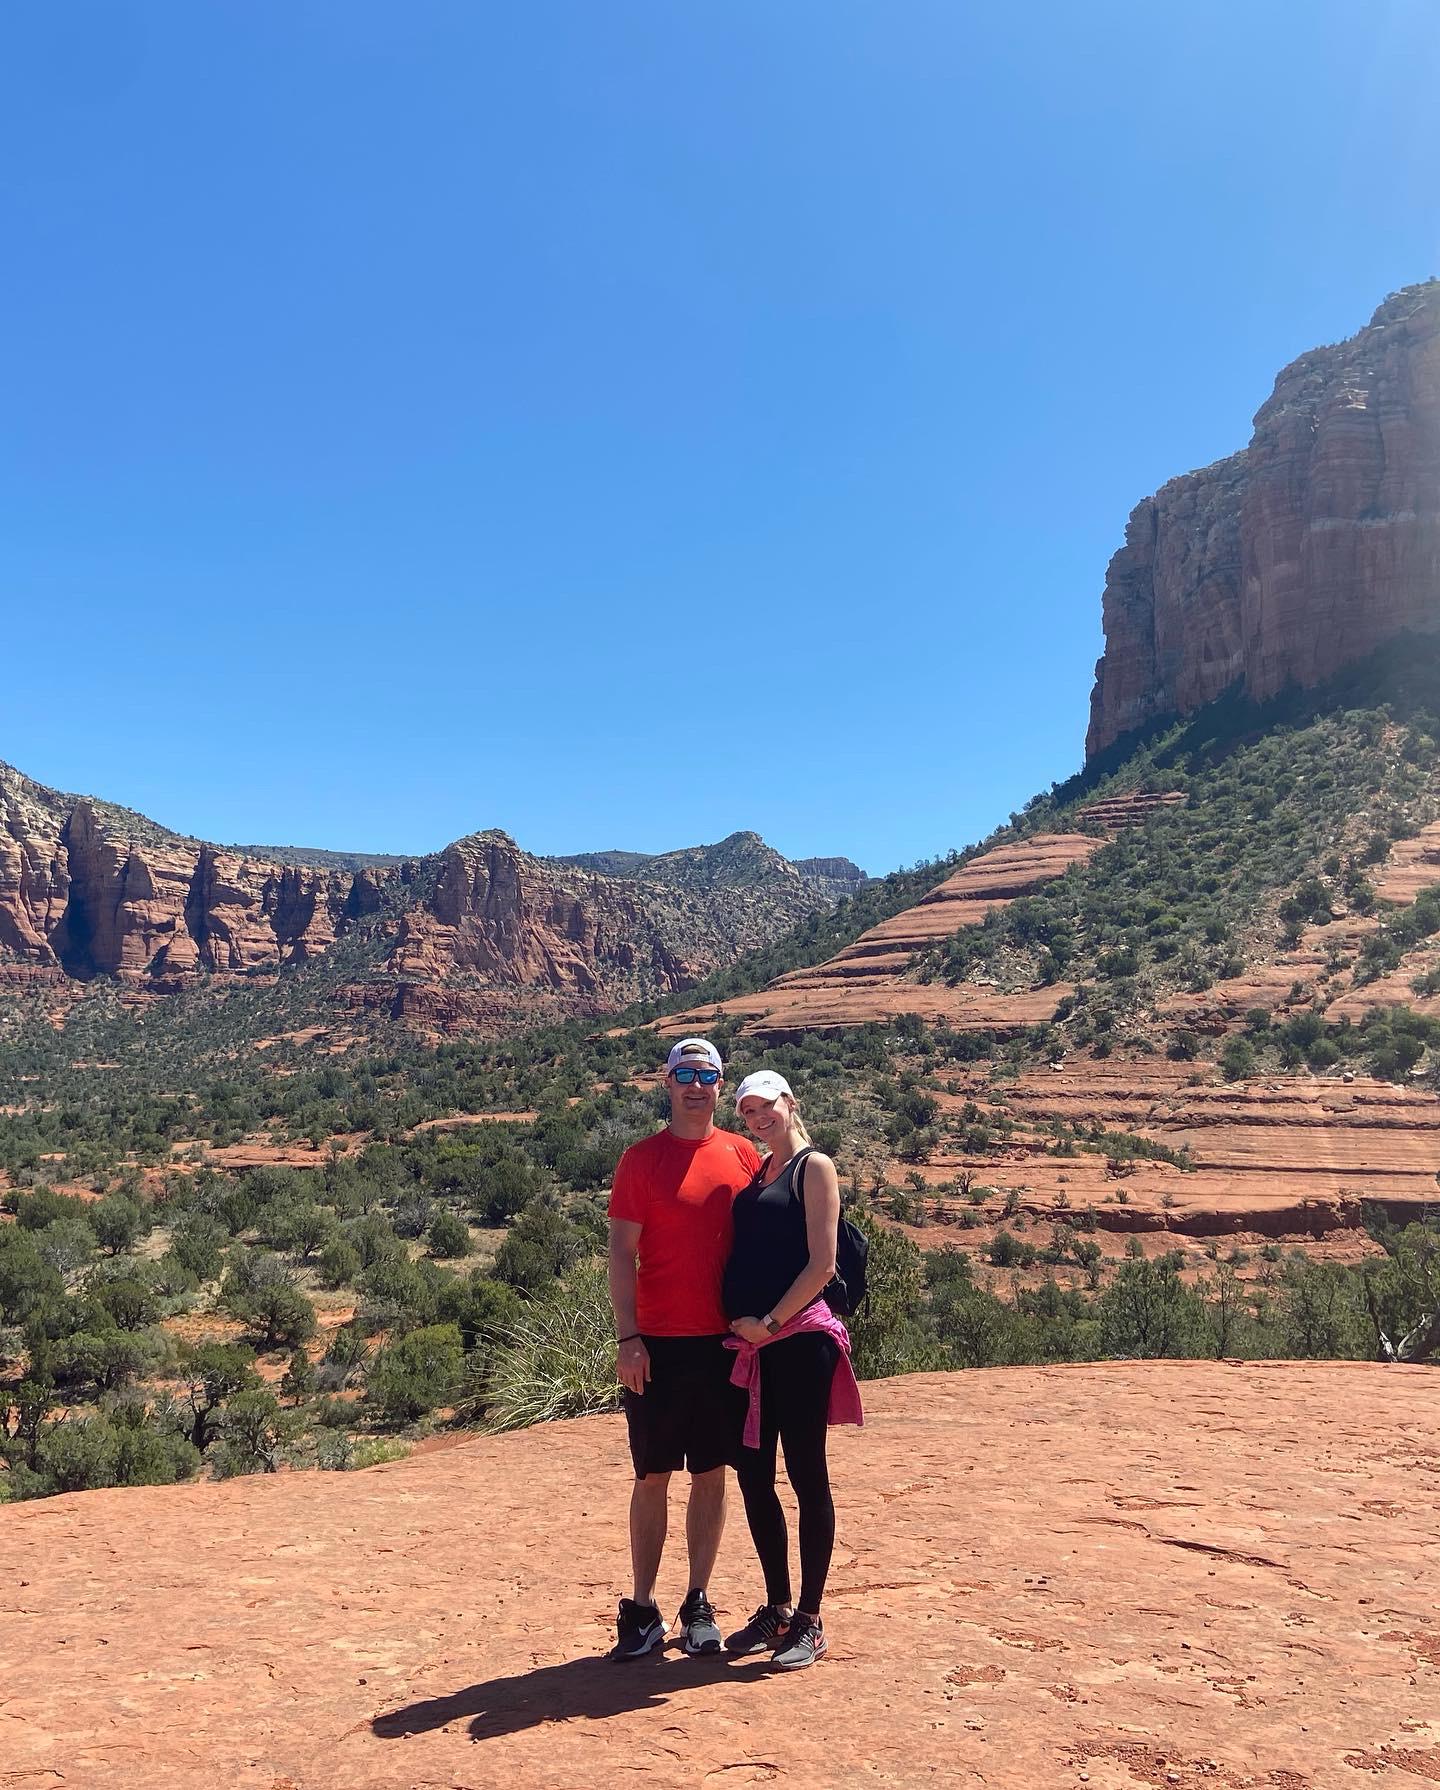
(766, 1084)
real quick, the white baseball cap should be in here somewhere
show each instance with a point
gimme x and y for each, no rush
(765, 1084)
(692, 1048)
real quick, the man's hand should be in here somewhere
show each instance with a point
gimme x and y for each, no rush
(750, 1330)
(632, 1368)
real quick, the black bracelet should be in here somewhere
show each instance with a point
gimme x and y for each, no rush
(634, 1336)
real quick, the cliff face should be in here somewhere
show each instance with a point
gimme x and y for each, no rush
(501, 923)
(1296, 556)
(86, 894)
(482, 935)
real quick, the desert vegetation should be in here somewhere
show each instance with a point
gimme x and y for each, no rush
(226, 1250)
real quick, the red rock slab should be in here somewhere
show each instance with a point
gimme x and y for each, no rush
(280, 1155)
(1270, 984)
(866, 982)
(1296, 1156)
(1391, 990)
(1124, 1574)
(964, 899)
(457, 1121)
(1132, 1096)
(1117, 813)
(1412, 866)
(1156, 1196)
(779, 1012)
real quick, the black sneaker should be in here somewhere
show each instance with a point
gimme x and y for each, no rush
(801, 1645)
(760, 1634)
(640, 1629)
(697, 1618)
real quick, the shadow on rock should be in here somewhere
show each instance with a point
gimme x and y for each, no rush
(589, 1688)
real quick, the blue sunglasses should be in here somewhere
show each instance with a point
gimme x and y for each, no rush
(707, 1078)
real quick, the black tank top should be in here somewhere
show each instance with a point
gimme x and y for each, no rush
(771, 1246)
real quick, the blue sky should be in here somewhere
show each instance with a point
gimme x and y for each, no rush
(628, 423)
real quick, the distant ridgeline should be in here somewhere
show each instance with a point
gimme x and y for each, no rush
(479, 936)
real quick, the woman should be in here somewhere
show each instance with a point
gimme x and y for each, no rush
(794, 1357)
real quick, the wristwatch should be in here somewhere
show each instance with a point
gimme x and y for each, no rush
(772, 1323)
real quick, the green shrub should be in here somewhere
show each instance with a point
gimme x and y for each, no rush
(540, 1246)
(891, 1333)
(410, 1377)
(448, 1237)
(253, 1434)
(339, 1263)
(118, 1222)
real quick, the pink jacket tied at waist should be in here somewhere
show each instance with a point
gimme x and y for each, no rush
(844, 1388)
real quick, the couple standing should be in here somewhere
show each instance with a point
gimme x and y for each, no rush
(719, 1260)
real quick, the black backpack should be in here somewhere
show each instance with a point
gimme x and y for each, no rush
(846, 1293)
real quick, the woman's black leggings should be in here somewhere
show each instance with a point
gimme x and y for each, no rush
(795, 1376)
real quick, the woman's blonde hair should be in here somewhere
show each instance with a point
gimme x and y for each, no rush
(795, 1119)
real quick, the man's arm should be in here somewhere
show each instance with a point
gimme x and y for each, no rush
(632, 1366)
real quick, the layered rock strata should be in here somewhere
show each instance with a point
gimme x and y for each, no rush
(870, 979)
(1283, 1157)
(1298, 555)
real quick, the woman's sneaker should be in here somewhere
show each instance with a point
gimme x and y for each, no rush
(697, 1618)
(760, 1634)
(801, 1645)
(641, 1628)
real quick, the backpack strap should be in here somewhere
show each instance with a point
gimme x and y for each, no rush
(797, 1174)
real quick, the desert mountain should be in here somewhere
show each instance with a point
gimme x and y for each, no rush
(479, 934)
(1297, 555)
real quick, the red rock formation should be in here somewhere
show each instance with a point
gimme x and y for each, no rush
(1295, 1156)
(504, 930)
(1287, 561)
(484, 935)
(1198, 1574)
(871, 978)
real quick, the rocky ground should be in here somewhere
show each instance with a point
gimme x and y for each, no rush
(1118, 1574)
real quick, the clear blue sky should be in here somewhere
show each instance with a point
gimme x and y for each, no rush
(625, 423)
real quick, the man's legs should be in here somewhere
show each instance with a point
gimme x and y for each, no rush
(704, 1524)
(648, 1502)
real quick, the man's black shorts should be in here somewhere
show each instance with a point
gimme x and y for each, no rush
(689, 1414)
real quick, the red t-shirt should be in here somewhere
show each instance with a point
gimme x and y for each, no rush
(680, 1192)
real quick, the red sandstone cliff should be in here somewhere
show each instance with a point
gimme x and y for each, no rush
(482, 934)
(1298, 555)
(503, 928)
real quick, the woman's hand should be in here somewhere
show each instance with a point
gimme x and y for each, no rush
(632, 1365)
(750, 1330)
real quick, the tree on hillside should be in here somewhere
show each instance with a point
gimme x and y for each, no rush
(888, 1334)
(449, 1236)
(118, 1222)
(1319, 1311)
(1147, 1311)
(259, 1291)
(1402, 1297)
(213, 1373)
(253, 1433)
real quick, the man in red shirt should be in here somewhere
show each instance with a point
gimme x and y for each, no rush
(670, 1234)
